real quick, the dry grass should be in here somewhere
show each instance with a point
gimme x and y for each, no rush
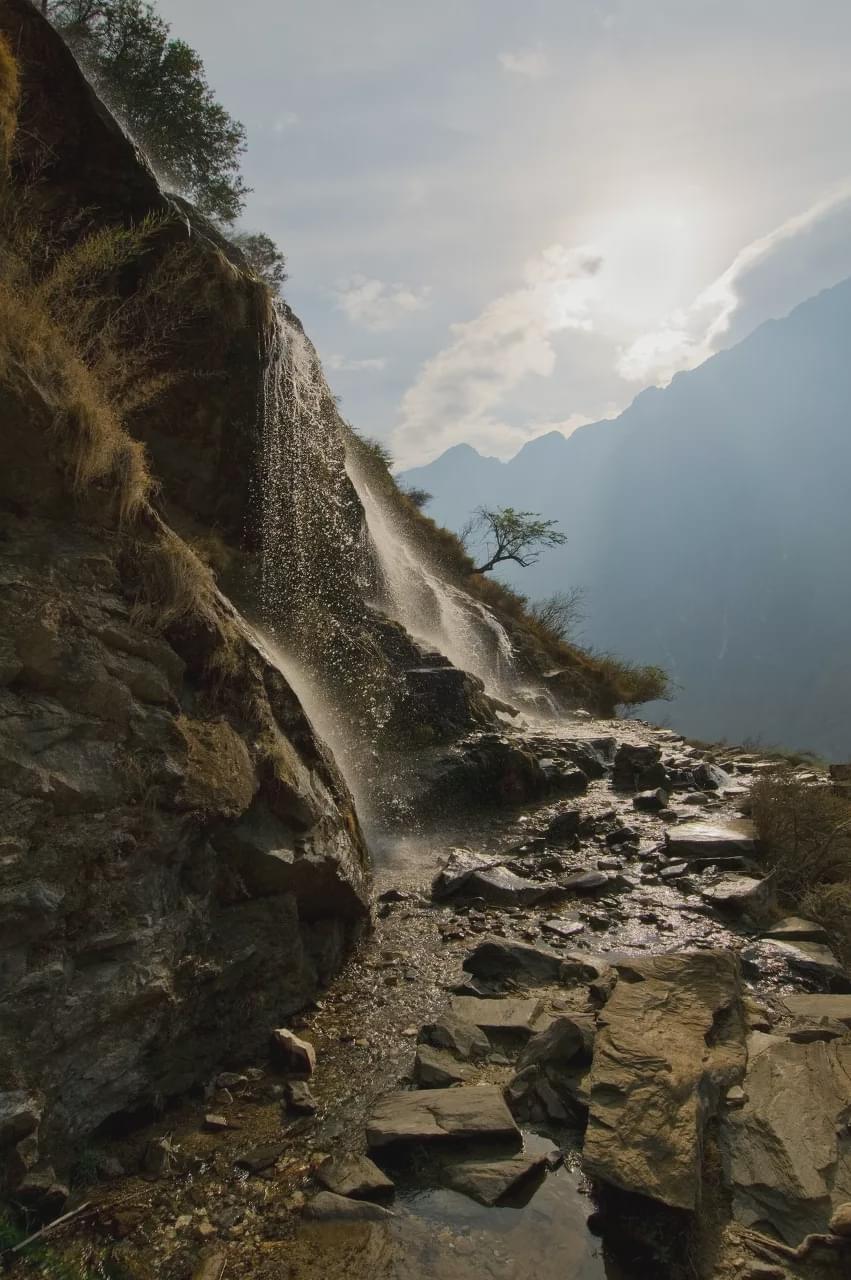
(9, 94)
(173, 582)
(805, 834)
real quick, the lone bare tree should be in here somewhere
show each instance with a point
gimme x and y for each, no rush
(507, 534)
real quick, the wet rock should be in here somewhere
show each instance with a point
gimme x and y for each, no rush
(161, 1158)
(796, 929)
(711, 841)
(292, 1053)
(469, 1113)
(742, 896)
(586, 882)
(459, 866)
(299, 1099)
(622, 835)
(631, 761)
(563, 926)
(566, 1041)
(356, 1177)
(462, 1038)
(508, 1015)
(260, 1158)
(814, 959)
(328, 1207)
(698, 800)
(670, 1042)
(835, 1007)
(438, 1069)
(215, 1123)
(503, 887)
(787, 1151)
(673, 871)
(519, 961)
(592, 755)
(840, 1221)
(710, 777)
(489, 1183)
(651, 801)
(564, 827)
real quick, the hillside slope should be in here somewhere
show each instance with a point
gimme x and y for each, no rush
(710, 526)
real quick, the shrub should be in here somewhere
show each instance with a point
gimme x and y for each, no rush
(804, 830)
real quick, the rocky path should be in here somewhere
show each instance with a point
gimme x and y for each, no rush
(598, 986)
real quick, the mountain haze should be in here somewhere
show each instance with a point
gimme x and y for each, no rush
(709, 524)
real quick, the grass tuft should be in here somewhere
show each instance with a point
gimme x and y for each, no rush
(9, 97)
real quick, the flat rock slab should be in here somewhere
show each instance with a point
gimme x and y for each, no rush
(463, 1039)
(356, 1177)
(471, 1113)
(796, 929)
(586, 882)
(712, 841)
(491, 1182)
(438, 1069)
(460, 865)
(503, 887)
(493, 958)
(787, 1151)
(837, 1008)
(260, 1158)
(328, 1207)
(813, 958)
(506, 1015)
(563, 926)
(741, 895)
(670, 1042)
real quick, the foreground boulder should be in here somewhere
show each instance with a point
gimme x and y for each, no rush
(467, 1114)
(787, 1150)
(670, 1041)
(712, 841)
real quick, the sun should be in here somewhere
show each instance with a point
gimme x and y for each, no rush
(648, 252)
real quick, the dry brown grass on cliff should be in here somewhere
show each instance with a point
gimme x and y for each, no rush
(804, 830)
(173, 583)
(9, 96)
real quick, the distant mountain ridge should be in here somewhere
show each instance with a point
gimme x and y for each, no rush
(710, 524)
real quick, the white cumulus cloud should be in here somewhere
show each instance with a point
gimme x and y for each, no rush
(343, 364)
(378, 305)
(457, 393)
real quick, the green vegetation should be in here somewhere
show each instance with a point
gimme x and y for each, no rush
(804, 829)
(157, 87)
(264, 257)
(562, 612)
(601, 681)
(520, 536)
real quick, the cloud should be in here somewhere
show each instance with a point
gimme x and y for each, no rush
(377, 305)
(286, 120)
(342, 364)
(766, 279)
(457, 392)
(531, 63)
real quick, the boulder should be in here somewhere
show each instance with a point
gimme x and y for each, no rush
(835, 1007)
(796, 929)
(564, 827)
(592, 755)
(814, 959)
(840, 1222)
(504, 888)
(467, 1114)
(631, 760)
(328, 1207)
(586, 882)
(292, 1053)
(787, 1151)
(494, 958)
(651, 801)
(742, 896)
(490, 1182)
(711, 777)
(356, 1177)
(508, 1015)
(717, 841)
(299, 1099)
(456, 871)
(566, 1041)
(438, 1069)
(670, 1042)
(462, 1038)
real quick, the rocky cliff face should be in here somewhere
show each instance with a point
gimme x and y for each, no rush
(181, 865)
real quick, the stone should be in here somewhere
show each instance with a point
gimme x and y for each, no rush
(356, 1177)
(563, 926)
(623, 835)
(212, 1267)
(518, 961)
(20, 1115)
(566, 1041)
(299, 1099)
(711, 777)
(812, 958)
(670, 1043)
(806, 1031)
(835, 1007)
(507, 1015)
(456, 871)
(653, 778)
(490, 1182)
(325, 1206)
(632, 760)
(463, 1039)
(711, 841)
(651, 801)
(504, 888)
(787, 1151)
(796, 929)
(742, 896)
(586, 882)
(292, 1053)
(438, 1069)
(215, 1123)
(840, 1220)
(467, 1114)
(260, 1158)
(564, 827)
(673, 871)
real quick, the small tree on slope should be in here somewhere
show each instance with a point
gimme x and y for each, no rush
(507, 534)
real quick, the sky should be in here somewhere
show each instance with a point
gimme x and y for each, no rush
(505, 218)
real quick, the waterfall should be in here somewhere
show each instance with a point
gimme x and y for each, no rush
(331, 546)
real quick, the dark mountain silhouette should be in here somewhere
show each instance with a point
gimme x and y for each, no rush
(710, 524)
